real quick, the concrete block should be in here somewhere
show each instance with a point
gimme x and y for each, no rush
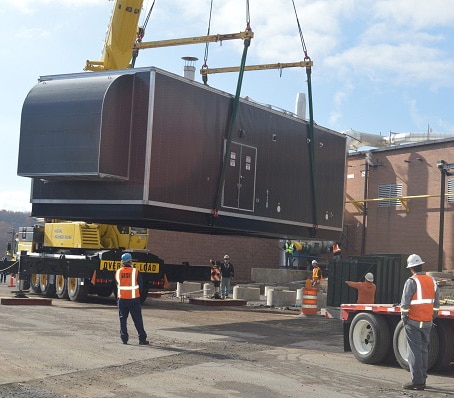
(208, 290)
(246, 293)
(188, 287)
(281, 298)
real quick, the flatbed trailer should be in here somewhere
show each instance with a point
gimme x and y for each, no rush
(375, 334)
(75, 276)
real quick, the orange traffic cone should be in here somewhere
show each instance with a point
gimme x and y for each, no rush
(11, 281)
(166, 282)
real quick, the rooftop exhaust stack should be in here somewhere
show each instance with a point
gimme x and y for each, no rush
(300, 105)
(189, 67)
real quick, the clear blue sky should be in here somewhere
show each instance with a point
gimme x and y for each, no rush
(379, 65)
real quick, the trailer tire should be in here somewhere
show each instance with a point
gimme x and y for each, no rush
(370, 338)
(104, 290)
(401, 350)
(61, 287)
(445, 335)
(47, 288)
(77, 291)
(34, 283)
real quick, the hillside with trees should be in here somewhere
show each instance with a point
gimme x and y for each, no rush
(10, 222)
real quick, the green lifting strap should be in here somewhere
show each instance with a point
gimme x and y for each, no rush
(236, 102)
(311, 142)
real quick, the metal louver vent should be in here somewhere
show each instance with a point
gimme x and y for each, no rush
(451, 190)
(389, 191)
(90, 238)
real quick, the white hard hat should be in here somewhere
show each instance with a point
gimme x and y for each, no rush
(369, 277)
(314, 262)
(414, 260)
(226, 257)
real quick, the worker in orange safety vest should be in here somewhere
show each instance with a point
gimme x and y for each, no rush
(216, 278)
(337, 252)
(316, 273)
(129, 284)
(419, 307)
(366, 289)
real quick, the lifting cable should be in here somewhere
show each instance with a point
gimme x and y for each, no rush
(140, 35)
(236, 101)
(310, 138)
(205, 58)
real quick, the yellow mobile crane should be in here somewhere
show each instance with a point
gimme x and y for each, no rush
(73, 258)
(70, 259)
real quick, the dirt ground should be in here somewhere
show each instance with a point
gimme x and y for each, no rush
(74, 350)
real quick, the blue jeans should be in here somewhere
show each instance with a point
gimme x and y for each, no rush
(225, 286)
(418, 351)
(288, 260)
(132, 306)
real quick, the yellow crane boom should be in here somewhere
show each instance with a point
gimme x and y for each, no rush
(120, 42)
(120, 37)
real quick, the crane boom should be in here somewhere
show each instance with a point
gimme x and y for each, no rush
(120, 37)
(120, 42)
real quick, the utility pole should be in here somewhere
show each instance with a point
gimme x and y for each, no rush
(443, 167)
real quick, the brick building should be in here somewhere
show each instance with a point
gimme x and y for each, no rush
(245, 252)
(406, 225)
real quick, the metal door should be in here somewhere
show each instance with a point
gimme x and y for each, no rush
(239, 183)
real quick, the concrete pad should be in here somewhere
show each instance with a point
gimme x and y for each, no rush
(217, 302)
(25, 301)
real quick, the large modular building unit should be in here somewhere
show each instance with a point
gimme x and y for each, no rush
(144, 147)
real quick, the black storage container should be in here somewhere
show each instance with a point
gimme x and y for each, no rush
(390, 274)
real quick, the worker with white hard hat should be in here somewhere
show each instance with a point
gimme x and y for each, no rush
(419, 307)
(226, 273)
(366, 289)
(316, 273)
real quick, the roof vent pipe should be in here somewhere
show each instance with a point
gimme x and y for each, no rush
(300, 105)
(189, 67)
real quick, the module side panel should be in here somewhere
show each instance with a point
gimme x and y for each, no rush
(268, 169)
(267, 164)
(189, 124)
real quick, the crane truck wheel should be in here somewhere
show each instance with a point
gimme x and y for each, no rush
(78, 289)
(104, 290)
(370, 338)
(47, 285)
(61, 287)
(445, 335)
(35, 283)
(401, 350)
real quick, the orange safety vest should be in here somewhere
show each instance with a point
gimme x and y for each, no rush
(215, 274)
(422, 302)
(316, 273)
(128, 283)
(336, 249)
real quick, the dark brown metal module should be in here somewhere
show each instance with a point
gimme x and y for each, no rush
(144, 147)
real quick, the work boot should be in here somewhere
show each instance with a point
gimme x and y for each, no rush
(144, 342)
(411, 386)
